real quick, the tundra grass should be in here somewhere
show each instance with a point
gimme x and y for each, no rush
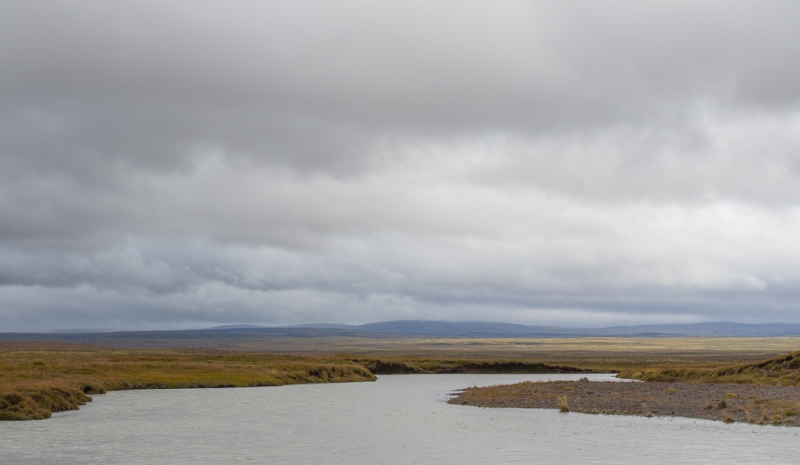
(783, 370)
(37, 379)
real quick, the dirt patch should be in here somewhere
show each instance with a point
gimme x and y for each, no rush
(778, 405)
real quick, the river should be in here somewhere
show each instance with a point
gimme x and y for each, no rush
(400, 419)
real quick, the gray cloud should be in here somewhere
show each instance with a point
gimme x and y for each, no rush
(169, 165)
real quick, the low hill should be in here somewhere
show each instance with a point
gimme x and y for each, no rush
(414, 329)
(465, 329)
(478, 329)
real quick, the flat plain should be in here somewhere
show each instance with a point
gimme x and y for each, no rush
(40, 377)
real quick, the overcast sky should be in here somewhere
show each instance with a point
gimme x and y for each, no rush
(185, 163)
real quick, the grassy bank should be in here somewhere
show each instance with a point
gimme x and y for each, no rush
(783, 370)
(38, 379)
(391, 365)
(763, 392)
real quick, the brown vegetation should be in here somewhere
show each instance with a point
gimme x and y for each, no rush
(420, 365)
(776, 371)
(593, 352)
(37, 379)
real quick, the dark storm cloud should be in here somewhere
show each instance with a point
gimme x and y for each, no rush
(575, 163)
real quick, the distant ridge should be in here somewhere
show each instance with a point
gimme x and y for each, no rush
(307, 325)
(475, 329)
(323, 326)
(706, 329)
(464, 329)
(420, 328)
(481, 329)
(243, 326)
(84, 331)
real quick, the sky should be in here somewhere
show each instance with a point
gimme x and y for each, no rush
(182, 164)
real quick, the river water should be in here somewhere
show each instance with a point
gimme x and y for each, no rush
(400, 419)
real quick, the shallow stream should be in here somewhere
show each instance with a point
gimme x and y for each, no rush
(400, 419)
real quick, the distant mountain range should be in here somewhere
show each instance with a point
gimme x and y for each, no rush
(416, 328)
(477, 329)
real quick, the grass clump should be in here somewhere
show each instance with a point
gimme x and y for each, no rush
(38, 404)
(563, 404)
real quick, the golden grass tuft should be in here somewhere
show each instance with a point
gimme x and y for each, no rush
(563, 404)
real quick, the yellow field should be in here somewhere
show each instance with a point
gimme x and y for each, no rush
(602, 353)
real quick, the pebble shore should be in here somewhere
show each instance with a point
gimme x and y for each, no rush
(776, 405)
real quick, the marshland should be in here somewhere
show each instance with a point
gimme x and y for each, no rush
(39, 378)
(384, 400)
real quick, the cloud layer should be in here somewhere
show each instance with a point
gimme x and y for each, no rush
(191, 163)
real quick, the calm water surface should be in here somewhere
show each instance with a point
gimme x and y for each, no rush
(397, 420)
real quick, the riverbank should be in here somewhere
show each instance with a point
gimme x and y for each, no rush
(783, 370)
(757, 404)
(37, 379)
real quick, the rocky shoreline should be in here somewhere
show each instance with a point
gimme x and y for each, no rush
(776, 405)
